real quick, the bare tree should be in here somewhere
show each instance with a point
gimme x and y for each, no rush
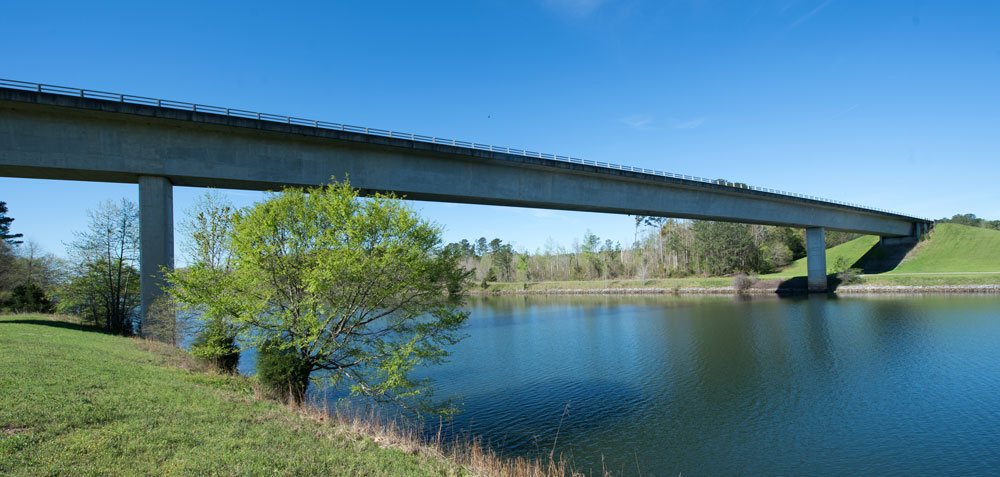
(105, 280)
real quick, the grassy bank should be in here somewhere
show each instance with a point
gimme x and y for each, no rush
(77, 401)
(955, 248)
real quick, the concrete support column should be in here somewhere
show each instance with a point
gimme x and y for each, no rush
(816, 258)
(156, 236)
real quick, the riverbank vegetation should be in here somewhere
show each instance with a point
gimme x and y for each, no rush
(663, 248)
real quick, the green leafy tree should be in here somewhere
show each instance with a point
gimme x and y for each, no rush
(206, 232)
(725, 247)
(358, 292)
(28, 298)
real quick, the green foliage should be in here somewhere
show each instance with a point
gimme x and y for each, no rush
(849, 276)
(841, 264)
(359, 289)
(282, 372)
(725, 247)
(103, 285)
(102, 293)
(7, 277)
(27, 298)
(972, 221)
(794, 240)
(201, 289)
(217, 345)
(5, 221)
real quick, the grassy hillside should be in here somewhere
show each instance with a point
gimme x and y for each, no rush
(852, 251)
(79, 402)
(955, 248)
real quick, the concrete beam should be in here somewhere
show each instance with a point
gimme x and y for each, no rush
(816, 259)
(156, 237)
(62, 137)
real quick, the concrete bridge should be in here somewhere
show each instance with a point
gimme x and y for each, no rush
(49, 132)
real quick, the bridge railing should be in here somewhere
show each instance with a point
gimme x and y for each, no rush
(240, 113)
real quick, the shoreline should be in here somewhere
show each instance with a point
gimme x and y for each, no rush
(846, 289)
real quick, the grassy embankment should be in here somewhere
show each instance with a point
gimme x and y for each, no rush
(76, 401)
(953, 255)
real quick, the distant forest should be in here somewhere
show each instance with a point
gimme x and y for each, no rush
(662, 248)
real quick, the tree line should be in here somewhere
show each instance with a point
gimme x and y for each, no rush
(972, 221)
(662, 248)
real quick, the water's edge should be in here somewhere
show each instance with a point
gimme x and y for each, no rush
(848, 289)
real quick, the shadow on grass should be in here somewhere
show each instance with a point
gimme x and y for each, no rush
(883, 258)
(57, 324)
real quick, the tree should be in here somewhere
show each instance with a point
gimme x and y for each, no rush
(481, 247)
(206, 232)
(358, 292)
(5, 221)
(725, 247)
(7, 278)
(35, 265)
(104, 283)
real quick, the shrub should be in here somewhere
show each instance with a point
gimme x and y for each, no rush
(850, 276)
(741, 282)
(842, 264)
(217, 346)
(282, 373)
(27, 298)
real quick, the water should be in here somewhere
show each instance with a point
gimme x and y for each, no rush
(720, 385)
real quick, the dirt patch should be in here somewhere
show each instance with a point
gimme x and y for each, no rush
(13, 431)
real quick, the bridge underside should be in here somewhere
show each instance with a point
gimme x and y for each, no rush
(58, 137)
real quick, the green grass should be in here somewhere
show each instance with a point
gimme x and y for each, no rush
(892, 279)
(75, 401)
(955, 248)
(851, 251)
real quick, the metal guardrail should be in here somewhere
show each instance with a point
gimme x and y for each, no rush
(240, 113)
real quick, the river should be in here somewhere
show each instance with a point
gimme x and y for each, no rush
(664, 385)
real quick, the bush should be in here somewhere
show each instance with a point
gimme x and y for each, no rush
(217, 346)
(27, 298)
(850, 276)
(282, 373)
(742, 282)
(841, 265)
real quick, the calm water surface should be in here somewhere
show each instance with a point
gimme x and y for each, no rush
(710, 385)
(720, 385)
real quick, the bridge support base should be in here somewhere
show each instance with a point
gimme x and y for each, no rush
(816, 259)
(156, 236)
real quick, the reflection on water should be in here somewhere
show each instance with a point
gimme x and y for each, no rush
(721, 385)
(717, 385)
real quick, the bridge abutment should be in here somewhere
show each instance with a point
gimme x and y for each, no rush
(816, 259)
(156, 236)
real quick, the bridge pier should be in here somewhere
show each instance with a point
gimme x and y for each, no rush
(156, 237)
(816, 259)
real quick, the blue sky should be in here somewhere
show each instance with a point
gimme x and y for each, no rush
(891, 104)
